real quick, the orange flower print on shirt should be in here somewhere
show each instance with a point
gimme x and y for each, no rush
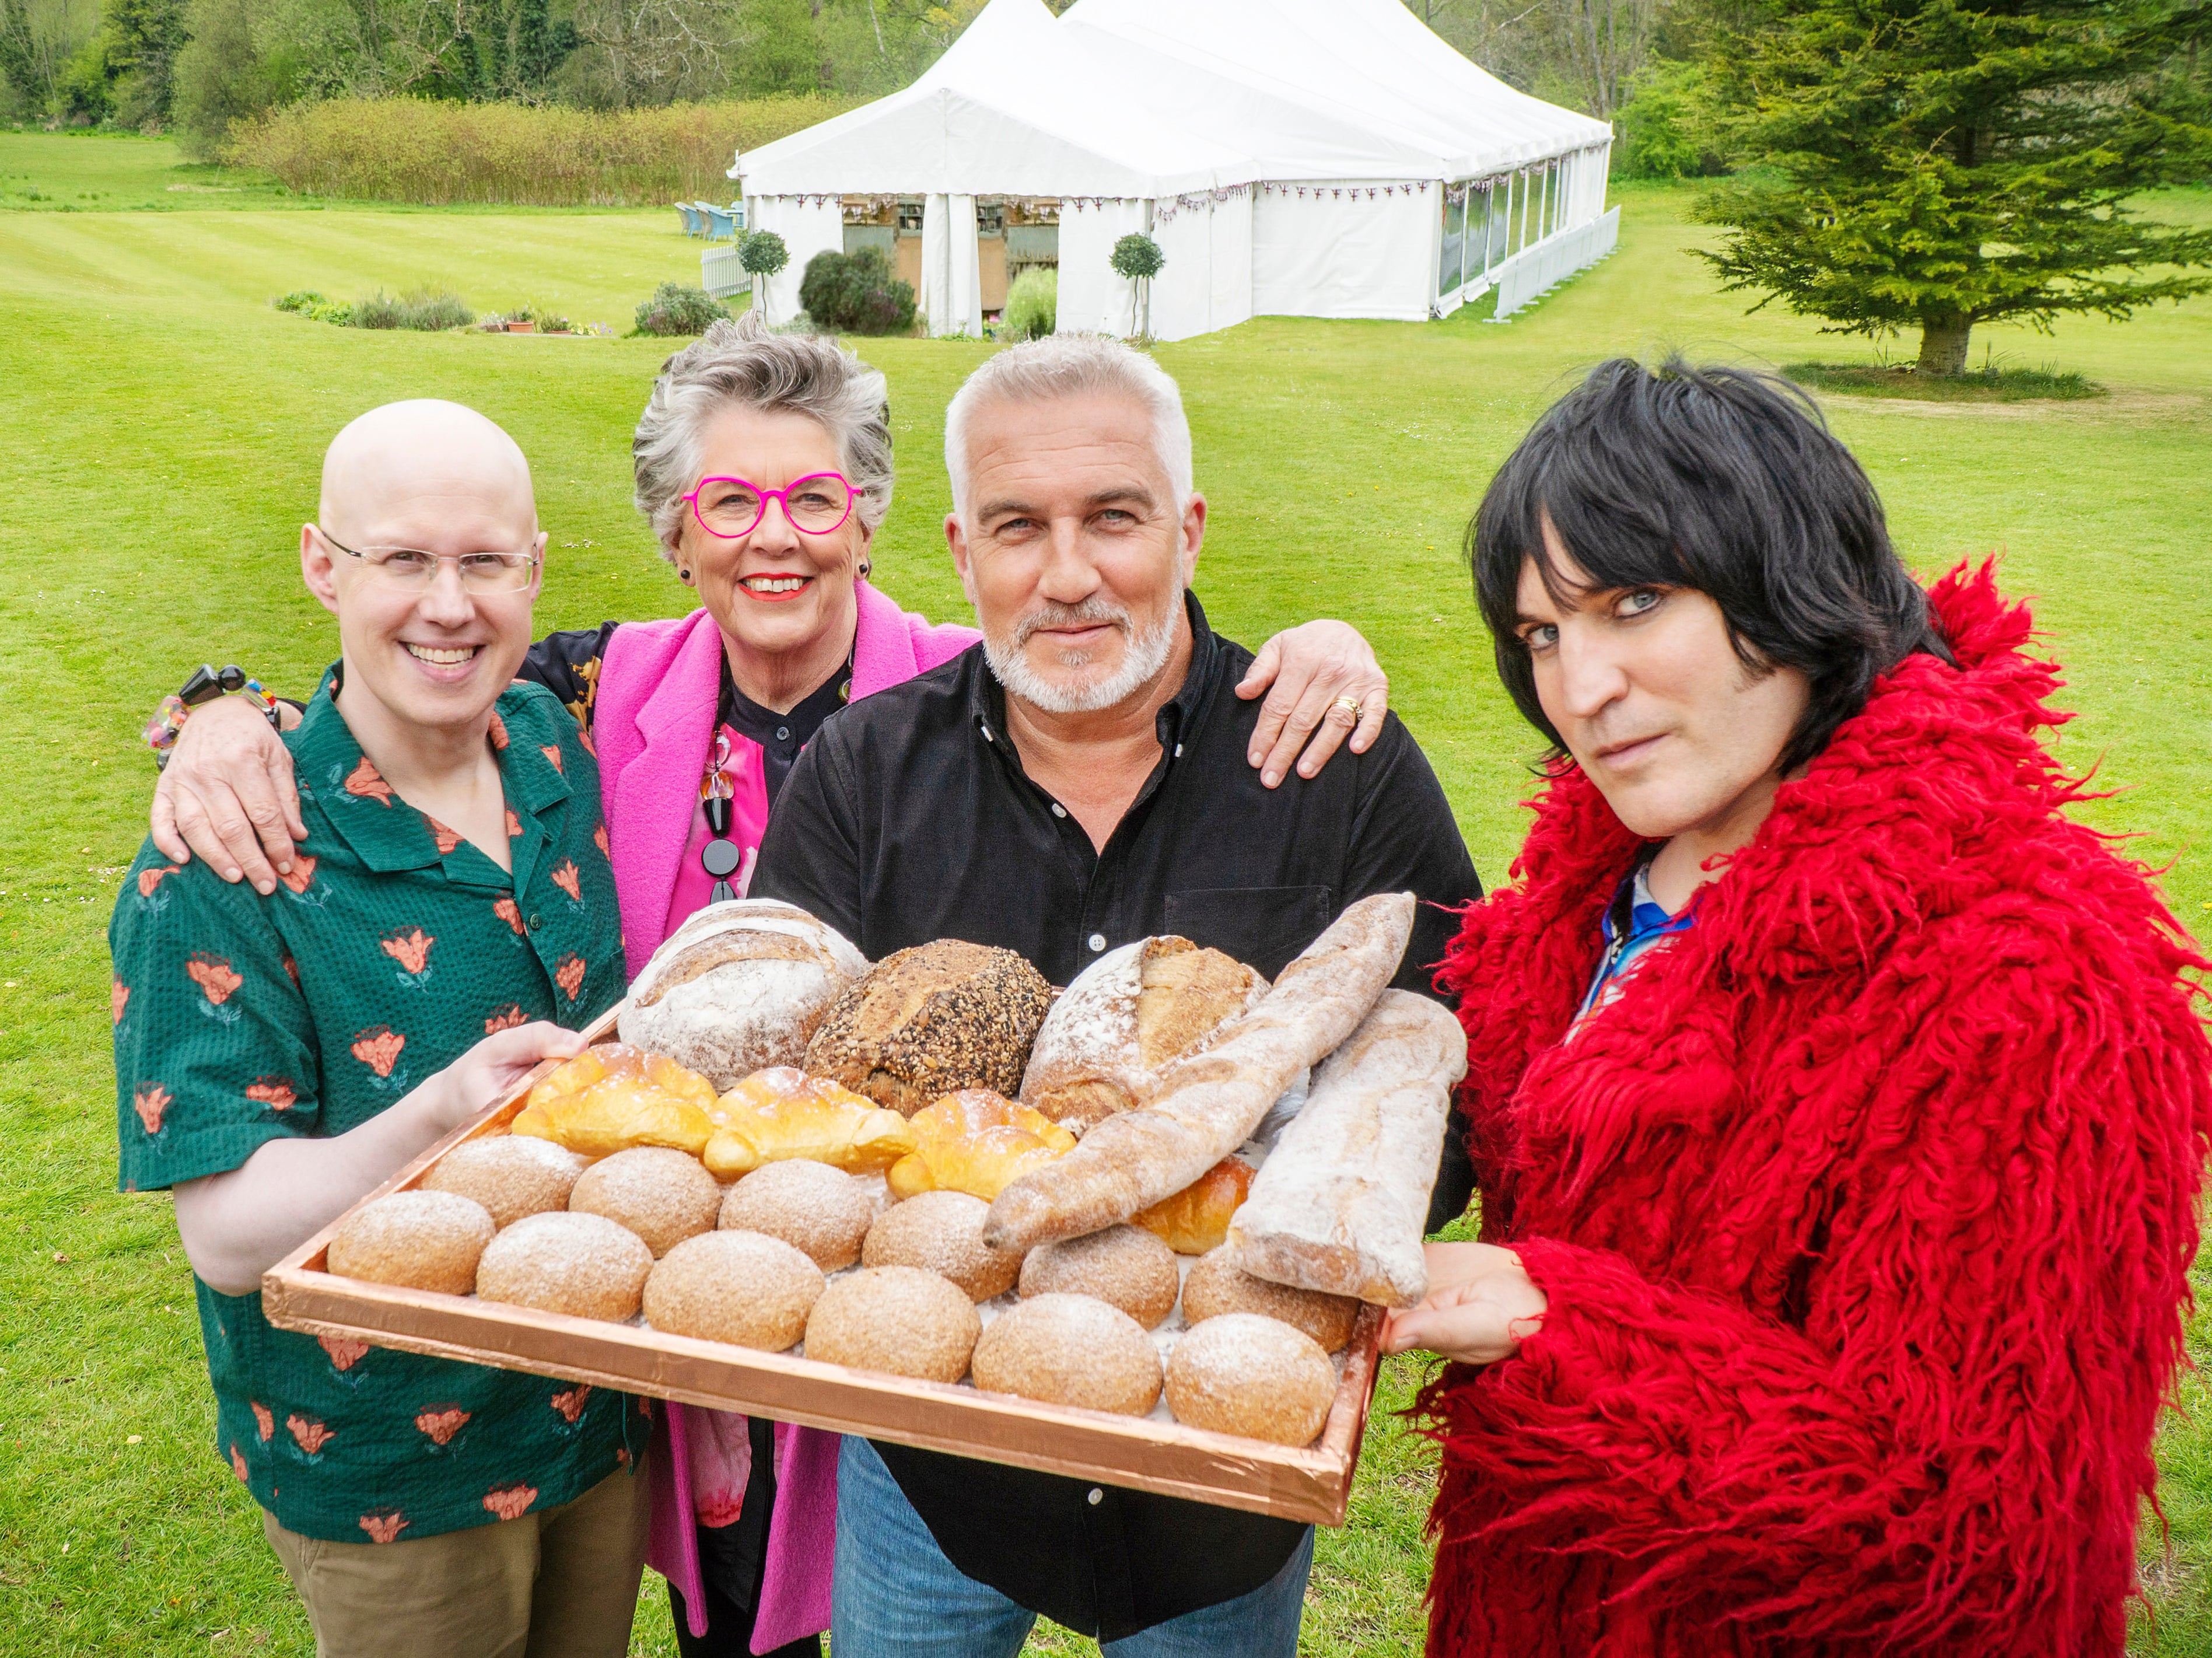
(119, 998)
(511, 913)
(498, 733)
(565, 878)
(237, 1464)
(600, 838)
(150, 879)
(277, 1094)
(584, 737)
(379, 1049)
(368, 783)
(569, 975)
(312, 1434)
(384, 1528)
(302, 876)
(263, 1419)
(213, 975)
(443, 1424)
(344, 1354)
(292, 969)
(552, 752)
(411, 948)
(505, 1019)
(513, 826)
(571, 1403)
(447, 839)
(510, 1502)
(149, 1101)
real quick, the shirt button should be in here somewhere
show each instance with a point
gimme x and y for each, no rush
(1178, 751)
(1058, 811)
(783, 733)
(1095, 1497)
(535, 921)
(1097, 941)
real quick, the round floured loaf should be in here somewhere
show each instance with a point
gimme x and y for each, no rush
(511, 1175)
(582, 1265)
(898, 1318)
(1246, 1374)
(1124, 1266)
(424, 1240)
(1130, 1012)
(745, 1288)
(1217, 1285)
(738, 987)
(930, 1021)
(818, 1210)
(663, 1195)
(1070, 1350)
(942, 1232)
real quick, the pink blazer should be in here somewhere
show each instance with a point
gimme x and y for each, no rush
(651, 724)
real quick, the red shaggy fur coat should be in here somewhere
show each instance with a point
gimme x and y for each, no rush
(1863, 1214)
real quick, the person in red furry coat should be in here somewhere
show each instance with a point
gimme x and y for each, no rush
(1838, 1105)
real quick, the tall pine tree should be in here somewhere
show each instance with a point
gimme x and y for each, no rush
(1933, 164)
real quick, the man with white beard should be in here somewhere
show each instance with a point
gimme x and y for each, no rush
(1080, 782)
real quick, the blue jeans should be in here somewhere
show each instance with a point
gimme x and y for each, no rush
(897, 1596)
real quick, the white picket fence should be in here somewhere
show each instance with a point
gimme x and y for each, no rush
(1537, 269)
(720, 274)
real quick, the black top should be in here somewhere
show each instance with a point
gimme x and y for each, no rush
(909, 818)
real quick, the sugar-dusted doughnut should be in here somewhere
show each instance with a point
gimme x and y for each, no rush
(1217, 1285)
(581, 1263)
(745, 1288)
(1124, 1266)
(898, 1318)
(1070, 1350)
(1244, 1373)
(511, 1175)
(663, 1195)
(821, 1211)
(424, 1240)
(942, 1232)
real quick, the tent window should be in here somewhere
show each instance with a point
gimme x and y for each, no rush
(1448, 268)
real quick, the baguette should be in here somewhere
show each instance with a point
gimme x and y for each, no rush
(1340, 1204)
(1208, 1103)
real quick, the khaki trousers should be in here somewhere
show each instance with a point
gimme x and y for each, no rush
(559, 1584)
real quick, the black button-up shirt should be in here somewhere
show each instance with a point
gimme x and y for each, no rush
(909, 818)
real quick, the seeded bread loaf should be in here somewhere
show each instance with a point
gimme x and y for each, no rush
(931, 1020)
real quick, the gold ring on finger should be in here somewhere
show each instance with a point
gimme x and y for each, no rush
(1350, 705)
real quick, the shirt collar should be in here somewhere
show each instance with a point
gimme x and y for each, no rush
(384, 831)
(987, 697)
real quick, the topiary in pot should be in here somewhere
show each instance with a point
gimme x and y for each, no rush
(762, 254)
(1138, 258)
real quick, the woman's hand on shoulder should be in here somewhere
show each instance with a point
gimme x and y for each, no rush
(1480, 1306)
(227, 796)
(1310, 673)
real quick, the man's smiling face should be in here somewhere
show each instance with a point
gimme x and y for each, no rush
(1073, 549)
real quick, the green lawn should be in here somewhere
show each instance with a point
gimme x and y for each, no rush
(164, 428)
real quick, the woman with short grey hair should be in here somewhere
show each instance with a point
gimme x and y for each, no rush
(763, 465)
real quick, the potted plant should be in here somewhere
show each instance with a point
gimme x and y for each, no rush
(1138, 258)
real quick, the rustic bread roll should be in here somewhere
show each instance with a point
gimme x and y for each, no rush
(1133, 1011)
(931, 1020)
(897, 1319)
(1196, 1219)
(1124, 1266)
(1208, 1103)
(739, 986)
(583, 1265)
(782, 1113)
(1070, 1350)
(662, 1195)
(977, 1142)
(822, 1211)
(424, 1240)
(1244, 1373)
(612, 1097)
(1216, 1285)
(942, 1232)
(511, 1175)
(1340, 1204)
(745, 1288)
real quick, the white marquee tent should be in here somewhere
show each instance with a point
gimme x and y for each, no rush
(1291, 157)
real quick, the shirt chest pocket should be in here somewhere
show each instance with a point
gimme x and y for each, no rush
(1263, 927)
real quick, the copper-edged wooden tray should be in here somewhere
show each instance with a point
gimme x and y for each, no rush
(1312, 1483)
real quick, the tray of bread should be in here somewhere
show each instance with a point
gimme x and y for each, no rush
(1139, 1231)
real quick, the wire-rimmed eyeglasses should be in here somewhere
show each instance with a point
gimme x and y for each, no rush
(413, 569)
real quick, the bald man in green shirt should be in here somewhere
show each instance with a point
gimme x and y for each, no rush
(448, 920)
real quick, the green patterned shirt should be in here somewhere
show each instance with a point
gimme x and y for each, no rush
(391, 948)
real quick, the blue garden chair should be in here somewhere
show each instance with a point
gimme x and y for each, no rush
(719, 224)
(692, 225)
